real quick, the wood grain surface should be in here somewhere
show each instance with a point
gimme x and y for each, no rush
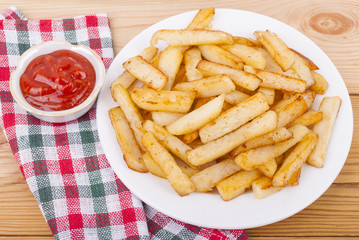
(331, 24)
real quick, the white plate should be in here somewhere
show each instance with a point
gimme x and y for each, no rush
(209, 210)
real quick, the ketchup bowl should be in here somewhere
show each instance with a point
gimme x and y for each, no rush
(56, 81)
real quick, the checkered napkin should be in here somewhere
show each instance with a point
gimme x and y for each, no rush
(64, 165)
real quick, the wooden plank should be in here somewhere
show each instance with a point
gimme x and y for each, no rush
(330, 24)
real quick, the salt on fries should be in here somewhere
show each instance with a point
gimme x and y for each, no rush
(222, 111)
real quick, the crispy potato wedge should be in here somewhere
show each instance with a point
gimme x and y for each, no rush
(276, 48)
(217, 54)
(276, 136)
(133, 115)
(223, 145)
(161, 100)
(309, 118)
(262, 187)
(203, 19)
(295, 160)
(256, 157)
(280, 81)
(237, 184)
(185, 37)
(197, 118)
(250, 55)
(234, 117)
(131, 151)
(191, 58)
(126, 78)
(207, 179)
(145, 72)
(169, 63)
(178, 180)
(152, 166)
(207, 87)
(330, 107)
(321, 85)
(301, 68)
(172, 143)
(243, 79)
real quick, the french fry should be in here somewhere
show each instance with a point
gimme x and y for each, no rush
(189, 171)
(276, 48)
(133, 115)
(202, 19)
(307, 61)
(152, 166)
(191, 58)
(320, 85)
(294, 180)
(250, 55)
(291, 111)
(165, 118)
(157, 171)
(330, 107)
(190, 137)
(262, 187)
(246, 41)
(207, 87)
(180, 37)
(235, 97)
(217, 54)
(234, 117)
(280, 81)
(295, 160)
(237, 184)
(301, 68)
(126, 78)
(178, 180)
(223, 145)
(169, 63)
(276, 136)
(207, 179)
(131, 151)
(269, 93)
(256, 157)
(197, 118)
(269, 168)
(309, 97)
(161, 100)
(243, 79)
(145, 72)
(309, 118)
(172, 143)
(181, 75)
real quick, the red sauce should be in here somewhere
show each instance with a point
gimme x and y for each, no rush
(58, 81)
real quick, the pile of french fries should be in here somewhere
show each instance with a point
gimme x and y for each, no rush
(223, 112)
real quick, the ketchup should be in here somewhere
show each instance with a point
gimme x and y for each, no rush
(58, 81)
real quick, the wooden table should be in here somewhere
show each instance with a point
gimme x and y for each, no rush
(332, 24)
